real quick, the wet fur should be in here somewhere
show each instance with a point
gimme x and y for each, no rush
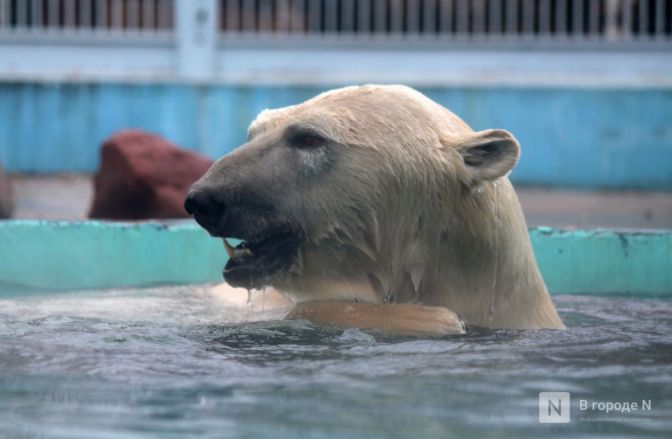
(401, 209)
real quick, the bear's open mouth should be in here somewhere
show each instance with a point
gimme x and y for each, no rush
(256, 263)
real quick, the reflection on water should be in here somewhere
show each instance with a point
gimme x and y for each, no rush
(176, 362)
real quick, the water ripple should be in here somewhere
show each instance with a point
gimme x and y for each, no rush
(175, 362)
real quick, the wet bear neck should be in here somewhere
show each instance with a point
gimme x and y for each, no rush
(474, 256)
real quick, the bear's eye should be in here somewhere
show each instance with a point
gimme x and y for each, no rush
(305, 139)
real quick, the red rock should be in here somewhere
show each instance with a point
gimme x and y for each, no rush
(6, 199)
(144, 176)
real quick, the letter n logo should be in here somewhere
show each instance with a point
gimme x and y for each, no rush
(554, 407)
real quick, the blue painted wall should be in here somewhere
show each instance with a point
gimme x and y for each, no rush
(570, 137)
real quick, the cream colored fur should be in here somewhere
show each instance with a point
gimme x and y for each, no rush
(405, 219)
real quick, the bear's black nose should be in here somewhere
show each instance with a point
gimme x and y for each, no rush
(200, 202)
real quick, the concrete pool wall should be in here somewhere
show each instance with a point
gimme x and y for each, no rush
(64, 255)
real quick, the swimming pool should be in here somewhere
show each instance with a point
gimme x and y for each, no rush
(175, 362)
(80, 356)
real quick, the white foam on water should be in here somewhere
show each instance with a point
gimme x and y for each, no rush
(181, 305)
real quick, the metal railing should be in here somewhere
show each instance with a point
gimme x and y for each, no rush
(491, 20)
(245, 40)
(484, 20)
(82, 16)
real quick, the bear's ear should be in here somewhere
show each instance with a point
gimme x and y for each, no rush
(489, 154)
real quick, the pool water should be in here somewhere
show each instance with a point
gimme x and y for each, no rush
(176, 362)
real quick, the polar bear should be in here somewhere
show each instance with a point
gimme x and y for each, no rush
(374, 206)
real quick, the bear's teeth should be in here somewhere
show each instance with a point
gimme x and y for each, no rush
(244, 252)
(229, 249)
(233, 252)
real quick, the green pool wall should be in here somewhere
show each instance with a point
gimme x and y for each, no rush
(66, 255)
(604, 261)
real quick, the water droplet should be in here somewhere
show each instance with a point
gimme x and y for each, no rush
(249, 297)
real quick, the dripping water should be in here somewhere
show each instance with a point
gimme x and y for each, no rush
(249, 293)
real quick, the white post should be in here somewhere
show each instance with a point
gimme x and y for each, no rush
(196, 30)
(611, 20)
